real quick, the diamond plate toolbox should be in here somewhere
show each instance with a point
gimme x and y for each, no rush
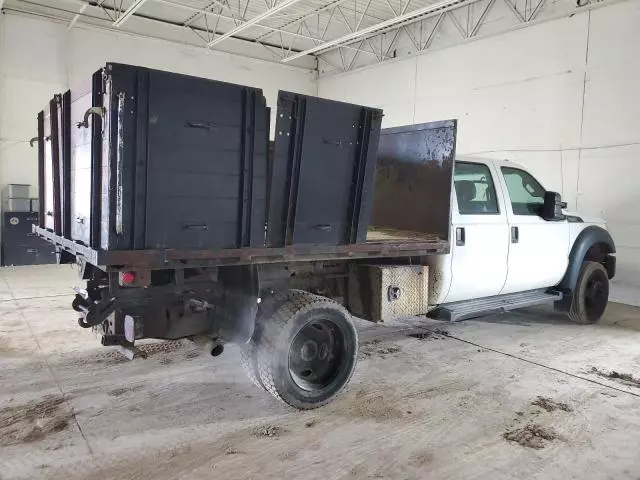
(383, 292)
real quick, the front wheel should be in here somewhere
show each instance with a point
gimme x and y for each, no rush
(306, 350)
(591, 294)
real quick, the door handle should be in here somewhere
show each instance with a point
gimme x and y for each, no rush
(460, 236)
(515, 234)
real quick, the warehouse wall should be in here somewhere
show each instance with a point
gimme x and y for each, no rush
(560, 97)
(39, 58)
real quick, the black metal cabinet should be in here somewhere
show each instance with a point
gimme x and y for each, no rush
(16, 228)
(19, 245)
(29, 255)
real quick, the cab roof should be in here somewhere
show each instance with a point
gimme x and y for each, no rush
(497, 162)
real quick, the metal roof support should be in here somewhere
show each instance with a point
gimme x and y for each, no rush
(331, 6)
(253, 21)
(133, 8)
(368, 31)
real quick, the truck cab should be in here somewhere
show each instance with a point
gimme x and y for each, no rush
(505, 242)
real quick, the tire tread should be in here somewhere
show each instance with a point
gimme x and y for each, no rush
(274, 327)
(574, 312)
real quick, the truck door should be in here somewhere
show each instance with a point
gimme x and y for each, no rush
(538, 249)
(479, 235)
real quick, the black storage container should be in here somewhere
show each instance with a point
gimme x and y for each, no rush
(20, 246)
(163, 160)
(323, 170)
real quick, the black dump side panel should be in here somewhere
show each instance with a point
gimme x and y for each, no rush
(50, 159)
(41, 168)
(48, 152)
(323, 170)
(162, 160)
(65, 164)
(57, 156)
(207, 161)
(118, 157)
(414, 177)
(80, 164)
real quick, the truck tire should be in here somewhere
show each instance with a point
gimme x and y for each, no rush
(248, 351)
(591, 294)
(249, 363)
(306, 351)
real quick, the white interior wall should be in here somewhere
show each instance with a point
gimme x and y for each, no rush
(559, 97)
(39, 58)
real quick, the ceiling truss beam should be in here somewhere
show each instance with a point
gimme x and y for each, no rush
(253, 21)
(133, 8)
(373, 29)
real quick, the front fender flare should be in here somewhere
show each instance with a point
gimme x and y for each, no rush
(585, 240)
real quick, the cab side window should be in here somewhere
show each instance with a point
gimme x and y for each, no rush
(525, 192)
(475, 191)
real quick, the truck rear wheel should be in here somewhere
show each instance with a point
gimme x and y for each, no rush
(305, 351)
(591, 294)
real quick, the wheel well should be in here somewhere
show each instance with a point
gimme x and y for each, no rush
(592, 244)
(601, 252)
(598, 253)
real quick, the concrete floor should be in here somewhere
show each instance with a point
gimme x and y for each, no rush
(436, 407)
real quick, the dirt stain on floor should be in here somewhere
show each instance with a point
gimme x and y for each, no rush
(33, 421)
(268, 431)
(376, 348)
(420, 459)
(624, 378)
(368, 405)
(191, 354)
(550, 405)
(429, 335)
(531, 435)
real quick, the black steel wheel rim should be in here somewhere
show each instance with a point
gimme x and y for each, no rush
(596, 295)
(316, 355)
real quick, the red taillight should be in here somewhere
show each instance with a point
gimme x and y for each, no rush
(128, 278)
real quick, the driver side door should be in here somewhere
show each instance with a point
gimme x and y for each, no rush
(538, 249)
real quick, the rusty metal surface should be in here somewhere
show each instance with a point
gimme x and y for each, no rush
(414, 177)
(245, 256)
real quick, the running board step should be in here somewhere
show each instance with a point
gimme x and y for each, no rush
(456, 311)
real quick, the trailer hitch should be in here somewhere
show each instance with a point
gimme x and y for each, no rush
(94, 313)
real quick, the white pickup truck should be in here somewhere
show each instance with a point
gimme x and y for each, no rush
(508, 252)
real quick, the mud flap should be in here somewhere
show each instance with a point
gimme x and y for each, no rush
(236, 322)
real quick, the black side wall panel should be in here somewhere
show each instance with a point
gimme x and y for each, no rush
(80, 159)
(65, 164)
(323, 171)
(414, 178)
(207, 158)
(118, 157)
(41, 169)
(162, 160)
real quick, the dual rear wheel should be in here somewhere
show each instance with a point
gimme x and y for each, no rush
(304, 349)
